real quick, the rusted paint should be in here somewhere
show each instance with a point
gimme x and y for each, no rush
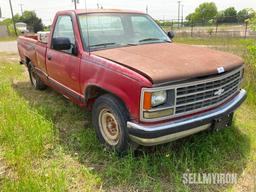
(171, 61)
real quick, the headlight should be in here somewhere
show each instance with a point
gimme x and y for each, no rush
(158, 104)
(158, 98)
(153, 99)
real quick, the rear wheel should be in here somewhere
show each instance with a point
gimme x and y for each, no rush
(110, 121)
(36, 82)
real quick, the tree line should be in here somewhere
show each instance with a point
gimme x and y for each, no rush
(34, 24)
(208, 13)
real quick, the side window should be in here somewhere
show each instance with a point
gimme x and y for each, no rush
(64, 28)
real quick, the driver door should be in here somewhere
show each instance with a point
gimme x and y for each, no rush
(63, 66)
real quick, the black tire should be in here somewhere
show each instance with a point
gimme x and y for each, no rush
(36, 82)
(113, 106)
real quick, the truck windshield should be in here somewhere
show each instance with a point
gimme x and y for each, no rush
(110, 30)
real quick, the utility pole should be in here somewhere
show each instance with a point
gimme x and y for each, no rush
(98, 4)
(179, 14)
(21, 8)
(14, 26)
(182, 6)
(147, 9)
(75, 3)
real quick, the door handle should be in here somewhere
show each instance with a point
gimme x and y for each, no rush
(49, 57)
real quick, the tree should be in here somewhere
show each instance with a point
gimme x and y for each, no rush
(245, 14)
(220, 17)
(252, 20)
(242, 15)
(8, 22)
(189, 18)
(33, 22)
(203, 13)
(230, 15)
(252, 23)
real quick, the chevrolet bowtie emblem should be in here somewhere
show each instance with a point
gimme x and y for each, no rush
(219, 92)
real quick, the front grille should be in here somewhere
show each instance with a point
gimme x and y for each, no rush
(198, 95)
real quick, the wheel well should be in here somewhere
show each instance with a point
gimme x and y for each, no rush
(27, 61)
(93, 92)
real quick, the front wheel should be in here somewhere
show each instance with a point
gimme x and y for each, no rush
(110, 121)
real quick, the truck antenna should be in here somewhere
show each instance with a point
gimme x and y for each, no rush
(87, 29)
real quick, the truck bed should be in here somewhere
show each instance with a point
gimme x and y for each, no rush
(32, 50)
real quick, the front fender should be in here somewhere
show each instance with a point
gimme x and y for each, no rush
(116, 79)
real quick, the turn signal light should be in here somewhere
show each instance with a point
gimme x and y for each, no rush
(147, 100)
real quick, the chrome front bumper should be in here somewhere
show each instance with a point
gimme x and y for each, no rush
(149, 135)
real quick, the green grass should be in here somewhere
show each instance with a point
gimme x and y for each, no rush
(48, 144)
(10, 38)
(209, 41)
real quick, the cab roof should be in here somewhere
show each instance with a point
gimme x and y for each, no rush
(84, 11)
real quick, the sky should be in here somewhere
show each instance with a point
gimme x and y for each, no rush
(158, 9)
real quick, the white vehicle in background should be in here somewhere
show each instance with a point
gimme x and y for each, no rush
(22, 27)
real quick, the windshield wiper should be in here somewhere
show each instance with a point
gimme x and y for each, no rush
(102, 44)
(149, 39)
(154, 39)
(132, 44)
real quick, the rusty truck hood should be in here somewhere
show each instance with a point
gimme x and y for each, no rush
(171, 61)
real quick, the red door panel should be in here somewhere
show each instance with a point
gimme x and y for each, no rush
(64, 68)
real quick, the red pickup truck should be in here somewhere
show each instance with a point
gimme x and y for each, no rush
(142, 88)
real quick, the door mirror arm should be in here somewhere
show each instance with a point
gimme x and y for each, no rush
(74, 49)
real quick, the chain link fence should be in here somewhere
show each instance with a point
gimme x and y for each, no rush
(208, 29)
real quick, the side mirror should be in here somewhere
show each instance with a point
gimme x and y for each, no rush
(61, 43)
(170, 34)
